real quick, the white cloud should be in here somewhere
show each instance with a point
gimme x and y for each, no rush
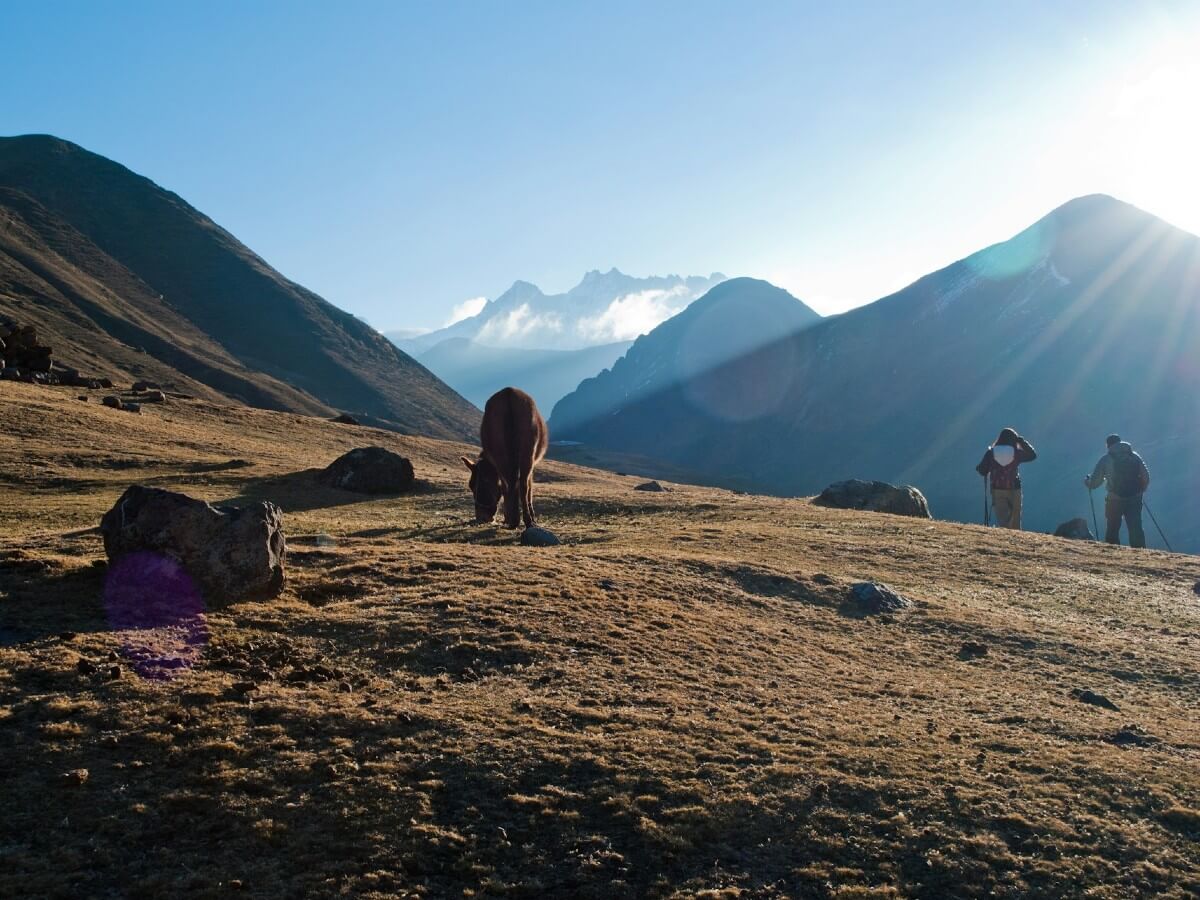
(466, 310)
(634, 314)
(518, 324)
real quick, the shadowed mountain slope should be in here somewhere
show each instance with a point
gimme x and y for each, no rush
(125, 278)
(1088, 322)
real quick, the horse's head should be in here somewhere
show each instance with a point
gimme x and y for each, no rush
(485, 488)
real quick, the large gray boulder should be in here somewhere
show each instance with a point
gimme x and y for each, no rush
(369, 470)
(233, 554)
(875, 496)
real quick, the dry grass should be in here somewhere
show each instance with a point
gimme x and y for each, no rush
(673, 703)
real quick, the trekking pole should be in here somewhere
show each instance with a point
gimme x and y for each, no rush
(987, 514)
(1156, 525)
(1095, 521)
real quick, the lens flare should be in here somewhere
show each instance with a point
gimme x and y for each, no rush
(158, 611)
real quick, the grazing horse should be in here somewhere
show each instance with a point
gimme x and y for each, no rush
(514, 439)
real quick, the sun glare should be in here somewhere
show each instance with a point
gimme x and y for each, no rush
(1156, 138)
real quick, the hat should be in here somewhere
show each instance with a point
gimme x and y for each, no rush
(1112, 439)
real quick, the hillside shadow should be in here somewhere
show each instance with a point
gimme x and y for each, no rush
(301, 492)
(41, 600)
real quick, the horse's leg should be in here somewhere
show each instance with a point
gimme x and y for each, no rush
(527, 499)
(512, 503)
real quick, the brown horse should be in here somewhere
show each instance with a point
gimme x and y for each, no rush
(514, 439)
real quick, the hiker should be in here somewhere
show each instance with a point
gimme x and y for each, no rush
(1000, 463)
(1127, 478)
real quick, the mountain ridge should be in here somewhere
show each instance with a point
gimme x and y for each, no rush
(271, 341)
(1077, 326)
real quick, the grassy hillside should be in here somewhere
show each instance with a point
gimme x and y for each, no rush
(123, 278)
(672, 702)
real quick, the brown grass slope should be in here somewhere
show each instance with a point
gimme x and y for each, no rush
(107, 264)
(670, 703)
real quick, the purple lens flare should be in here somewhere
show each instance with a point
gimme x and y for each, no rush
(159, 611)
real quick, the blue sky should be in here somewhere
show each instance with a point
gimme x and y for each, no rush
(400, 158)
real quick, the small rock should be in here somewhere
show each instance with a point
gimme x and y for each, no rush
(1196, 588)
(1131, 735)
(653, 486)
(82, 397)
(972, 650)
(871, 598)
(86, 667)
(112, 402)
(539, 537)
(822, 578)
(244, 687)
(153, 397)
(113, 672)
(67, 635)
(346, 419)
(608, 584)
(1092, 698)
(1076, 530)
(135, 408)
(75, 777)
(139, 386)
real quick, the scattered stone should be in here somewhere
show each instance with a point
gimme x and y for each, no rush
(153, 397)
(67, 635)
(1076, 530)
(822, 578)
(245, 687)
(113, 402)
(972, 650)
(1131, 735)
(75, 777)
(653, 486)
(139, 386)
(113, 672)
(82, 397)
(539, 537)
(1092, 698)
(346, 419)
(135, 408)
(1196, 588)
(875, 496)
(369, 470)
(86, 667)
(871, 598)
(233, 554)
(608, 584)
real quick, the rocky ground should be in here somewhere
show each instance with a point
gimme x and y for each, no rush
(677, 701)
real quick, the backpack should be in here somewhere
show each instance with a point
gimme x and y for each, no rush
(1125, 474)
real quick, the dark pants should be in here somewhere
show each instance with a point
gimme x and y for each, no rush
(1129, 508)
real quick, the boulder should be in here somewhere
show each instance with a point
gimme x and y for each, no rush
(870, 598)
(232, 553)
(139, 386)
(875, 496)
(1076, 530)
(369, 470)
(132, 407)
(653, 486)
(539, 537)
(153, 397)
(346, 419)
(113, 402)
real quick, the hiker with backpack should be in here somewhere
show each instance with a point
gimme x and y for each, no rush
(999, 466)
(1127, 477)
